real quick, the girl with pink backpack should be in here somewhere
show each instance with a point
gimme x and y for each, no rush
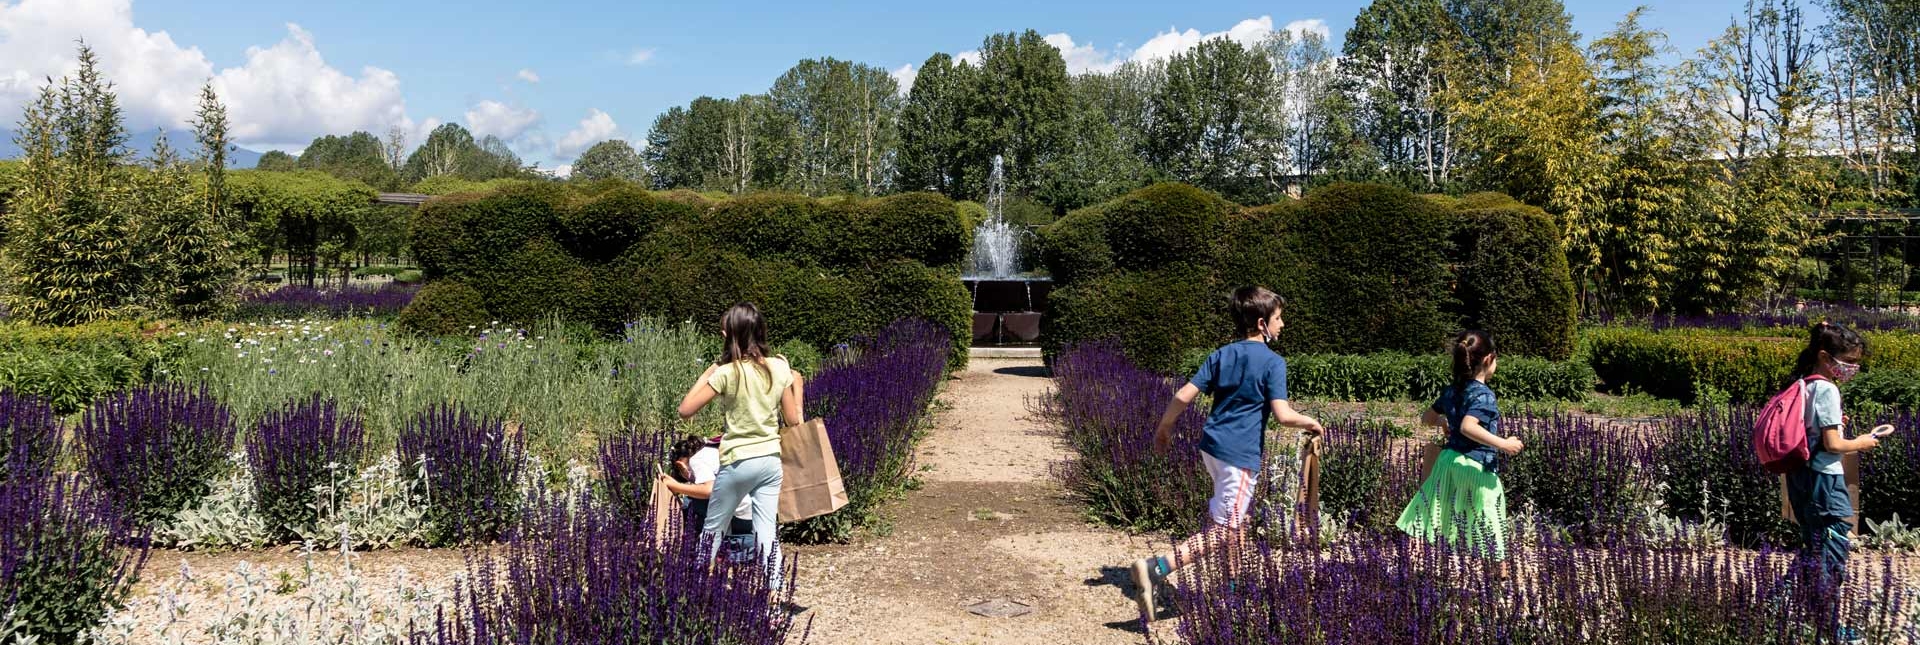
(1817, 486)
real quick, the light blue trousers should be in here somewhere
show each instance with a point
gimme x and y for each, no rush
(757, 478)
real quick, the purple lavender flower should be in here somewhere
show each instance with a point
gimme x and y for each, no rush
(301, 301)
(156, 449)
(305, 445)
(470, 467)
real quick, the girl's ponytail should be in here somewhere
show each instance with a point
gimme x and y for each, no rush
(1470, 350)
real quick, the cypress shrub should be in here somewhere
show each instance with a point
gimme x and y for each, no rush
(824, 270)
(1158, 316)
(1075, 249)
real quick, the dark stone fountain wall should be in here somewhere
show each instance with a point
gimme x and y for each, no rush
(1007, 311)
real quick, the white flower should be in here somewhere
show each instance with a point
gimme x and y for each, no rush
(266, 360)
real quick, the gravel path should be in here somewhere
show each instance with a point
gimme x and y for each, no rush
(989, 522)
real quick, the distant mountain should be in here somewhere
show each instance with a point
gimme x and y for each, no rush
(142, 144)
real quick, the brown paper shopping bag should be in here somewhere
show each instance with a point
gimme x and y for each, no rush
(1310, 475)
(1850, 463)
(665, 507)
(811, 483)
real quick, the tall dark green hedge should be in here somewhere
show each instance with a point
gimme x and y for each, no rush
(822, 270)
(1511, 276)
(1364, 268)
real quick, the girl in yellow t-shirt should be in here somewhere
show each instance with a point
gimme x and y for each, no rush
(754, 392)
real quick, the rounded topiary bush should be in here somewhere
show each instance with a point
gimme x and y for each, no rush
(443, 308)
(901, 290)
(604, 225)
(1374, 275)
(1512, 280)
(544, 281)
(781, 226)
(914, 226)
(1158, 316)
(1075, 247)
(1165, 224)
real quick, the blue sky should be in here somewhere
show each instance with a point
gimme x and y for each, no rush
(553, 77)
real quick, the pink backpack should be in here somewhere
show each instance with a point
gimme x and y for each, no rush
(1780, 431)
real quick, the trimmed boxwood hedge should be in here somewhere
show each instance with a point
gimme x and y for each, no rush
(823, 270)
(1393, 376)
(1680, 364)
(1365, 268)
(1512, 276)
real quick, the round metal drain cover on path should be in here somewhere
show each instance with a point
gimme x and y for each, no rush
(1000, 608)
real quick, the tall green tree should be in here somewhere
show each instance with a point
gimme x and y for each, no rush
(1214, 122)
(612, 159)
(195, 236)
(277, 161)
(1622, 251)
(1751, 107)
(359, 157)
(842, 117)
(1018, 112)
(932, 123)
(1873, 83)
(1100, 160)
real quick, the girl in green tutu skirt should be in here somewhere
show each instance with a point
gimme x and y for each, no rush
(1462, 501)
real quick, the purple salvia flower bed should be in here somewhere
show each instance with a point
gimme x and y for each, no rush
(1388, 589)
(1705, 461)
(66, 556)
(291, 451)
(1890, 473)
(470, 468)
(1582, 476)
(1109, 408)
(29, 436)
(873, 396)
(156, 449)
(301, 301)
(578, 571)
(627, 468)
(1855, 316)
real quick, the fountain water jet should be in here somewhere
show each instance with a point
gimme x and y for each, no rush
(1007, 299)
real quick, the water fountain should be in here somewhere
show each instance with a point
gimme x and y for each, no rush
(1007, 297)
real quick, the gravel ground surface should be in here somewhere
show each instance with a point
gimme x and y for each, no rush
(989, 522)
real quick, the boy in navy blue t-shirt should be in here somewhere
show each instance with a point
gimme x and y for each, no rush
(1248, 384)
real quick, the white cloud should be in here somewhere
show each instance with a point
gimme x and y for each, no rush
(597, 127)
(971, 57)
(904, 76)
(500, 120)
(563, 171)
(528, 75)
(288, 90)
(283, 93)
(1301, 28)
(640, 56)
(1173, 41)
(1081, 57)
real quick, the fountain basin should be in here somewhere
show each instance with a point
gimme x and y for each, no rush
(1007, 311)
